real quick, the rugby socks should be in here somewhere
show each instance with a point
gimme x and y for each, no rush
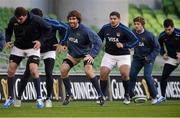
(126, 85)
(10, 87)
(96, 85)
(23, 84)
(49, 64)
(37, 87)
(103, 84)
(67, 85)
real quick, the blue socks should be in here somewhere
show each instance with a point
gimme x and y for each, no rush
(10, 87)
(67, 85)
(37, 87)
(96, 85)
(103, 84)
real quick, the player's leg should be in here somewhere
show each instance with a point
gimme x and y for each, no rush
(33, 60)
(14, 60)
(124, 63)
(167, 70)
(150, 82)
(136, 66)
(67, 64)
(22, 86)
(107, 64)
(91, 75)
(49, 65)
(49, 61)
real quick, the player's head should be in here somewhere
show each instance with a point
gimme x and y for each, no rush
(20, 14)
(37, 11)
(168, 26)
(114, 18)
(74, 18)
(139, 23)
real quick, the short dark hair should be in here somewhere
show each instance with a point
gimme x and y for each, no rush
(139, 19)
(168, 22)
(115, 13)
(76, 14)
(20, 11)
(37, 11)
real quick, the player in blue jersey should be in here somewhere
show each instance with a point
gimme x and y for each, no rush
(30, 32)
(2, 41)
(48, 54)
(169, 41)
(144, 56)
(118, 41)
(83, 45)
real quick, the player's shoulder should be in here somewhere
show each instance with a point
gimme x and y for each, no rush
(106, 26)
(124, 27)
(177, 31)
(162, 34)
(148, 33)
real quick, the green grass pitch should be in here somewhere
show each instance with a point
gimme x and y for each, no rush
(170, 108)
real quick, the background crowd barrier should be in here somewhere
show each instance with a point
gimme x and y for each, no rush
(82, 88)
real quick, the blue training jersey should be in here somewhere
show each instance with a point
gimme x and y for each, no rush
(56, 26)
(82, 41)
(171, 43)
(113, 35)
(148, 46)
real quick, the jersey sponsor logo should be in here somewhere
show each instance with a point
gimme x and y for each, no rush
(72, 39)
(141, 44)
(113, 39)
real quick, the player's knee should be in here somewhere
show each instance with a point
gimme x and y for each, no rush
(35, 74)
(124, 76)
(64, 71)
(103, 77)
(11, 72)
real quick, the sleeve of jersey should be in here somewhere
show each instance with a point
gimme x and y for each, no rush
(63, 31)
(161, 42)
(101, 34)
(46, 30)
(9, 31)
(156, 49)
(132, 39)
(96, 43)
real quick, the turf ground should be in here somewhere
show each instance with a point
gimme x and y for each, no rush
(170, 108)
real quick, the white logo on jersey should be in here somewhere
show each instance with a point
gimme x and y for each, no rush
(141, 44)
(73, 39)
(113, 39)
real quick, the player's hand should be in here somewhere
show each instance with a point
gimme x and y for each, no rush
(119, 45)
(165, 56)
(64, 48)
(60, 48)
(8, 45)
(178, 55)
(37, 44)
(89, 58)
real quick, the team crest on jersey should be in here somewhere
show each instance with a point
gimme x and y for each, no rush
(118, 34)
(16, 24)
(78, 34)
(142, 38)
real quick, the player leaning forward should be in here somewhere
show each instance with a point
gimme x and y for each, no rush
(30, 31)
